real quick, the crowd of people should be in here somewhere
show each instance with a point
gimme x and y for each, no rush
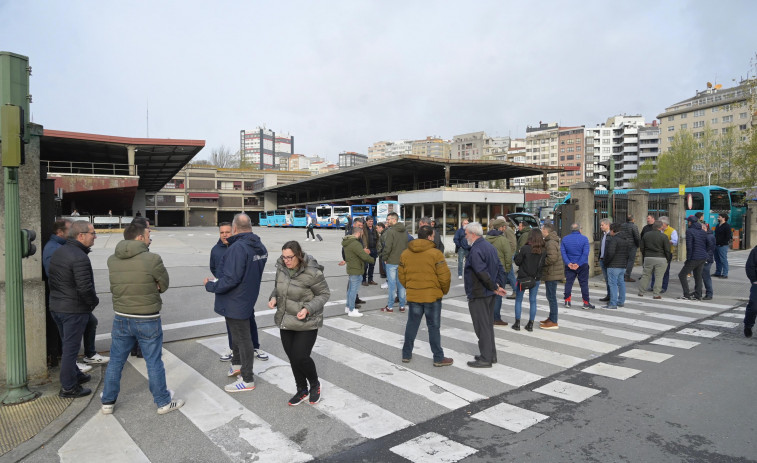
(417, 275)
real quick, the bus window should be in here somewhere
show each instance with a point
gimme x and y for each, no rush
(695, 201)
(299, 213)
(720, 201)
(341, 210)
(323, 212)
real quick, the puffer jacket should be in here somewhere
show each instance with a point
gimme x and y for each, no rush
(616, 250)
(52, 245)
(502, 245)
(697, 246)
(554, 269)
(305, 288)
(632, 234)
(423, 272)
(216, 254)
(529, 263)
(239, 275)
(395, 242)
(575, 248)
(512, 239)
(355, 256)
(523, 238)
(711, 248)
(72, 283)
(137, 278)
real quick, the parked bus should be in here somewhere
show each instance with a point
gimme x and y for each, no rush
(383, 208)
(738, 209)
(324, 215)
(278, 218)
(363, 210)
(298, 217)
(263, 219)
(340, 214)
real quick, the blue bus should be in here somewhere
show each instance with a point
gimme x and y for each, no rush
(363, 210)
(324, 216)
(738, 209)
(263, 219)
(298, 217)
(383, 208)
(710, 200)
(277, 218)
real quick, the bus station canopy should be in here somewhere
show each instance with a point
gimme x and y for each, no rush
(386, 178)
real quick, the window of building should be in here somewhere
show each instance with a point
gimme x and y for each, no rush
(742, 127)
(698, 124)
(605, 133)
(605, 141)
(699, 112)
(698, 134)
(578, 140)
(671, 128)
(726, 107)
(683, 116)
(714, 120)
(606, 150)
(578, 148)
(670, 139)
(562, 158)
(715, 109)
(683, 126)
(578, 157)
(670, 118)
(742, 115)
(727, 119)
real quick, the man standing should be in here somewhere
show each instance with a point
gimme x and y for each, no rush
(236, 289)
(380, 227)
(751, 307)
(72, 300)
(672, 236)
(216, 256)
(484, 277)
(706, 277)
(604, 226)
(656, 254)
(649, 226)
(370, 238)
(497, 238)
(524, 229)
(137, 278)
(616, 257)
(462, 248)
(552, 272)
(355, 257)
(438, 236)
(632, 233)
(574, 249)
(395, 243)
(309, 227)
(723, 237)
(697, 248)
(424, 272)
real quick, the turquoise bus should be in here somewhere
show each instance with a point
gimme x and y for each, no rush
(263, 219)
(298, 218)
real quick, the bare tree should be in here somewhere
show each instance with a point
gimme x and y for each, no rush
(223, 157)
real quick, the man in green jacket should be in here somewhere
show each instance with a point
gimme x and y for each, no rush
(395, 243)
(497, 237)
(137, 277)
(355, 257)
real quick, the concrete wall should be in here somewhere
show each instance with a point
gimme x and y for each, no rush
(139, 204)
(34, 289)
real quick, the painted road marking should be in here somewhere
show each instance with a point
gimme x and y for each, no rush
(646, 355)
(719, 323)
(679, 343)
(611, 371)
(120, 447)
(433, 448)
(510, 417)
(700, 333)
(567, 391)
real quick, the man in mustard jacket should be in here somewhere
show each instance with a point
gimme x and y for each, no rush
(424, 273)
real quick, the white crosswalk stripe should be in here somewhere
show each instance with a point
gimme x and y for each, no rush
(567, 391)
(432, 448)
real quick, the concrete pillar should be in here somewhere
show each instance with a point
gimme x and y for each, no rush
(638, 207)
(270, 200)
(130, 153)
(750, 225)
(582, 194)
(446, 175)
(139, 203)
(676, 211)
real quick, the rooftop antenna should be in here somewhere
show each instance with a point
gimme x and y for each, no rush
(147, 118)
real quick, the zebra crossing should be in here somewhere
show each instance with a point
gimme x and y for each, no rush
(368, 394)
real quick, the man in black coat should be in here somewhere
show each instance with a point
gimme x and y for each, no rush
(751, 307)
(72, 300)
(632, 235)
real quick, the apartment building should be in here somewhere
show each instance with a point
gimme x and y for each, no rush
(572, 144)
(469, 145)
(618, 139)
(432, 147)
(351, 159)
(377, 151)
(542, 144)
(264, 148)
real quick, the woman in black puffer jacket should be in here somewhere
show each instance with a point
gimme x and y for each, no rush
(530, 261)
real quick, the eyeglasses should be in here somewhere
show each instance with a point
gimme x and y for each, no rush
(287, 258)
(89, 233)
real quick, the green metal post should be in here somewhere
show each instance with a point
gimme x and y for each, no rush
(610, 189)
(15, 334)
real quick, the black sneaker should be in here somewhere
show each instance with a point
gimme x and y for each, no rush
(748, 331)
(315, 394)
(683, 298)
(588, 305)
(299, 397)
(605, 299)
(84, 378)
(75, 392)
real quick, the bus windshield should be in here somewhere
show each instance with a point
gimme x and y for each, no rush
(361, 209)
(720, 201)
(738, 199)
(323, 212)
(300, 213)
(340, 210)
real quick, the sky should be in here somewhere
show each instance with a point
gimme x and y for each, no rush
(341, 75)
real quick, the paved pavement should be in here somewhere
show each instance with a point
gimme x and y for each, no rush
(608, 385)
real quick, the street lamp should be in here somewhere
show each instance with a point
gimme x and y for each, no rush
(709, 176)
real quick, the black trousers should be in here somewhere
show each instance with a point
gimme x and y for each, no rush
(241, 346)
(694, 267)
(310, 233)
(298, 345)
(482, 313)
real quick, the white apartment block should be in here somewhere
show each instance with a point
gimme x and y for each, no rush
(264, 148)
(432, 147)
(542, 149)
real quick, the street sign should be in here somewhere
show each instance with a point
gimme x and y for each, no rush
(681, 190)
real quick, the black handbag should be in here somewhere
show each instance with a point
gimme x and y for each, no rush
(526, 283)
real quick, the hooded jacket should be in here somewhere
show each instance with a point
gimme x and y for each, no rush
(72, 283)
(502, 245)
(395, 242)
(423, 272)
(216, 254)
(483, 270)
(239, 275)
(523, 238)
(529, 263)
(354, 255)
(554, 269)
(305, 288)
(697, 246)
(137, 278)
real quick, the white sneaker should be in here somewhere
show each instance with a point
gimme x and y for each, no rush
(82, 367)
(384, 285)
(171, 406)
(96, 359)
(459, 277)
(107, 409)
(346, 310)
(354, 313)
(259, 354)
(234, 370)
(239, 386)
(226, 356)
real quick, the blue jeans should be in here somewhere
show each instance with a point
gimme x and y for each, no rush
(751, 307)
(149, 334)
(433, 313)
(707, 279)
(552, 298)
(511, 278)
(617, 286)
(498, 308)
(721, 260)
(532, 293)
(353, 284)
(90, 332)
(395, 287)
(462, 254)
(71, 327)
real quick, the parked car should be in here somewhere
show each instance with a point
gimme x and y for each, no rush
(516, 218)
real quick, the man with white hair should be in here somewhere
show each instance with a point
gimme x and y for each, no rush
(484, 278)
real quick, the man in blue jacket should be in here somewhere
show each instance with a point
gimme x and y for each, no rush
(697, 248)
(575, 255)
(216, 254)
(462, 248)
(751, 307)
(484, 278)
(236, 288)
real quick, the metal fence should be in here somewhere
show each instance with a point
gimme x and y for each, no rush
(602, 210)
(658, 205)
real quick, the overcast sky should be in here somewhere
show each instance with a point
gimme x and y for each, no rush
(340, 75)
